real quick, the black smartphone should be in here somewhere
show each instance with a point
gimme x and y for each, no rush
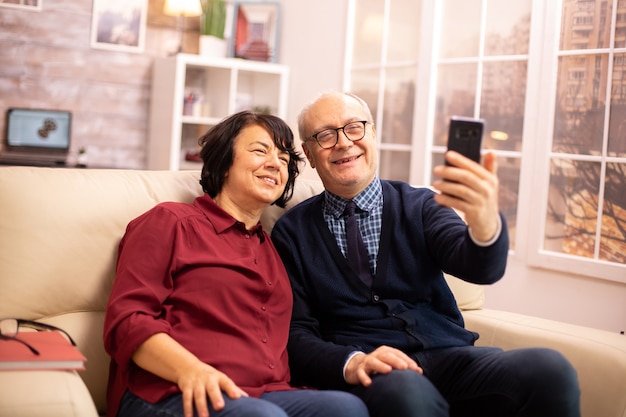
(465, 136)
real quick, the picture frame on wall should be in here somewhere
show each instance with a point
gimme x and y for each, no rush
(119, 25)
(34, 5)
(255, 31)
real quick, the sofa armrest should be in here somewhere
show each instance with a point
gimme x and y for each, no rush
(598, 356)
(44, 393)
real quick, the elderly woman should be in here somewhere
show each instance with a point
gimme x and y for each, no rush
(198, 318)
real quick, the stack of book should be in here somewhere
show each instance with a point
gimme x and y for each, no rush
(55, 352)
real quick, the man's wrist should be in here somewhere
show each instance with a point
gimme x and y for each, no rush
(491, 241)
(348, 359)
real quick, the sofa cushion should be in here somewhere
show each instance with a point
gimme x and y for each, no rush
(59, 232)
(598, 356)
(64, 395)
(468, 296)
(304, 189)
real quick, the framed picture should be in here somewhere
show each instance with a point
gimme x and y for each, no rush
(119, 25)
(255, 31)
(22, 4)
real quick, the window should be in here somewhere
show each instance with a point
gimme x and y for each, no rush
(549, 79)
(482, 70)
(586, 201)
(383, 72)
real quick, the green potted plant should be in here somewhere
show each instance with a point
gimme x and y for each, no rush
(212, 25)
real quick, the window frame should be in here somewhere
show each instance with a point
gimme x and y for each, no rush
(539, 177)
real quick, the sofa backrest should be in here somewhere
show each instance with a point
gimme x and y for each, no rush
(59, 233)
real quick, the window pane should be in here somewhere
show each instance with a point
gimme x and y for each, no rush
(617, 124)
(585, 24)
(456, 85)
(508, 193)
(368, 32)
(502, 104)
(436, 160)
(572, 207)
(404, 31)
(508, 175)
(460, 28)
(580, 104)
(573, 210)
(365, 85)
(394, 165)
(620, 30)
(613, 241)
(508, 27)
(398, 106)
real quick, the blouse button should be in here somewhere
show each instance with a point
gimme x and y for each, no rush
(271, 366)
(264, 340)
(269, 282)
(263, 308)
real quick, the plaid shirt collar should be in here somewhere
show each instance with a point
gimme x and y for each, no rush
(366, 201)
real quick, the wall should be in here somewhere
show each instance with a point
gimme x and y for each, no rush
(304, 46)
(46, 61)
(558, 296)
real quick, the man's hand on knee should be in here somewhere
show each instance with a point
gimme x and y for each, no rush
(381, 361)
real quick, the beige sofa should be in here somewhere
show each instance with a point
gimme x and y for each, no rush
(59, 230)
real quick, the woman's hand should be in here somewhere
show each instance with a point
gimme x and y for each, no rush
(166, 358)
(201, 380)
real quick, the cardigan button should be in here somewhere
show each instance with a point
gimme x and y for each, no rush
(376, 298)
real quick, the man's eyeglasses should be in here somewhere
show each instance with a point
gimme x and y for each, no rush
(328, 138)
(10, 327)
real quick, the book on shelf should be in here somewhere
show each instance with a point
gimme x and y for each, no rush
(55, 352)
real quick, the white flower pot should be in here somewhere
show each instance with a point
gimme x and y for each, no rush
(212, 46)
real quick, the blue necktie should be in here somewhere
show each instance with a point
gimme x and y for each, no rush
(357, 253)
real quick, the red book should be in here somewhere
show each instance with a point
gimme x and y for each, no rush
(55, 352)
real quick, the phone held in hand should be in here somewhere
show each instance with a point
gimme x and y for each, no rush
(465, 136)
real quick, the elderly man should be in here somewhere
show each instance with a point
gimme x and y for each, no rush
(390, 331)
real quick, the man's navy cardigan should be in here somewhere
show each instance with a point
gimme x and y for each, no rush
(409, 305)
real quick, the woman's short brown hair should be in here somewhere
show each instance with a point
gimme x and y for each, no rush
(217, 151)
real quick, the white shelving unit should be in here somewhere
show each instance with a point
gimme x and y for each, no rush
(219, 87)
